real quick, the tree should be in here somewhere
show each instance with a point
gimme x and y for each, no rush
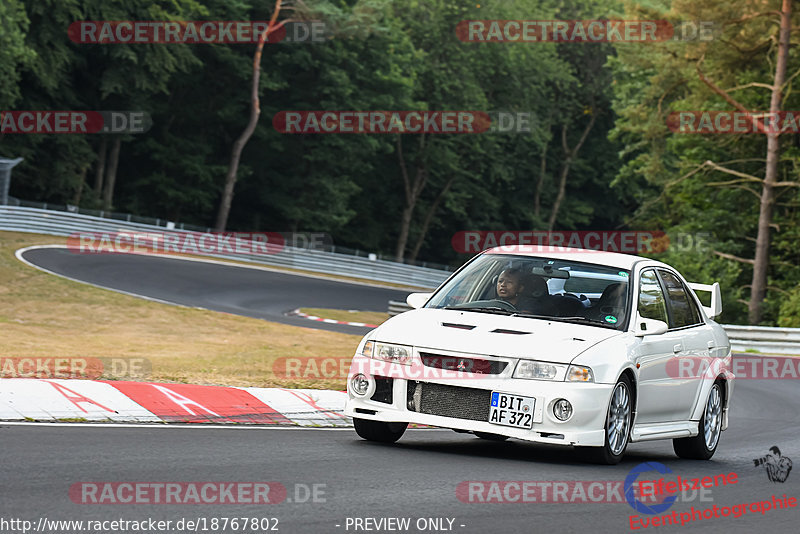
(255, 112)
(14, 52)
(748, 54)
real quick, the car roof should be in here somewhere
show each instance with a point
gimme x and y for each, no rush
(597, 257)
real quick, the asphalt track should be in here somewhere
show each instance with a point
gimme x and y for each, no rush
(415, 478)
(258, 293)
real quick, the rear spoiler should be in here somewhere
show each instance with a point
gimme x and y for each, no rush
(715, 310)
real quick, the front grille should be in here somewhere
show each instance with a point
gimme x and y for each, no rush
(383, 390)
(467, 365)
(449, 401)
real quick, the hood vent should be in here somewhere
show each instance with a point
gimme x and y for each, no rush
(460, 326)
(504, 331)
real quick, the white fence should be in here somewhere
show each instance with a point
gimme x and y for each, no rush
(762, 339)
(62, 223)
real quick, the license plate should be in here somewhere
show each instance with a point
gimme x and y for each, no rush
(511, 410)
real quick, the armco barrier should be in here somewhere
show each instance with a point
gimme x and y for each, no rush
(763, 339)
(60, 223)
(397, 307)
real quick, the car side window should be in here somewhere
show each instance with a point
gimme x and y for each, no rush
(652, 304)
(696, 317)
(683, 313)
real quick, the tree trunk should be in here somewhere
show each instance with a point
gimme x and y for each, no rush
(569, 155)
(76, 200)
(412, 190)
(111, 174)
(758, 287)
(100, 170)
(540, 184)
(402, 239)
(562, 188)
(255, 112)
(429, 217)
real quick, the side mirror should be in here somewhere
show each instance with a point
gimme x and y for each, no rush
(418, 300)
(649, 327)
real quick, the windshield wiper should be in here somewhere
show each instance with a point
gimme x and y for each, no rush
(489, 309)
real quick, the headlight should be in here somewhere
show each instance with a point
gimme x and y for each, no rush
(388, 352)
(367, 350)
(562, 409)
(540, 370)
(359, 384)
(578, 373)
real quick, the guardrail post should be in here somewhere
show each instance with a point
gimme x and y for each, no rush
(5, 177)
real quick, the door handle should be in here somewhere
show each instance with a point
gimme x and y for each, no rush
(677, 348)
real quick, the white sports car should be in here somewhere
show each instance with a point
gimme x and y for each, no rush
(552, 345)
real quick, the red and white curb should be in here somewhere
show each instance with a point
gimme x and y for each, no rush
(29, 399)
(298, 313)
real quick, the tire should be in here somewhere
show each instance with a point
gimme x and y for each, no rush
(378, 430)
(704, 444)
(617, 429)
(490, 437)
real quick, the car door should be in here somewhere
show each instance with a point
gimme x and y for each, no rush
(657, 390)
(686, 322)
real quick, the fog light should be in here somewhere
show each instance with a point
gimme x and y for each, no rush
(562, 409)
(360, 384)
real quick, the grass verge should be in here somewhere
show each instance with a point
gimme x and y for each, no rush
(47, 316)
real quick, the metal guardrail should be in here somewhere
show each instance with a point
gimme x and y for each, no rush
(65, 223)
(326, 246)
(758, 339)
(396, 307)
(765, 339)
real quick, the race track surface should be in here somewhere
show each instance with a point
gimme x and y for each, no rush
(226, 288)
(415, 478)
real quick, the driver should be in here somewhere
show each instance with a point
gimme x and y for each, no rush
(509, 285)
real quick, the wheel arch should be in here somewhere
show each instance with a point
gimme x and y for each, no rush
(629, 372)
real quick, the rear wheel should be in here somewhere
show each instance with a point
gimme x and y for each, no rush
(379, 430)
(490, 437)
(617, 428)
(704, 444)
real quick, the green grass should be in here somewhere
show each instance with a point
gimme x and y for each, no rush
(48, 316)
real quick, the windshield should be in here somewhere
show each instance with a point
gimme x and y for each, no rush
(544, 288)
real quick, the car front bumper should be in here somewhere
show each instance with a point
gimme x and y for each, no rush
(452, 401)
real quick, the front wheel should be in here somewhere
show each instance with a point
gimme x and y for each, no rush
(378, 430)
(704, 444)
(617, 428)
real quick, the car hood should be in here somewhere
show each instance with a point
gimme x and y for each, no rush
(495, 335)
